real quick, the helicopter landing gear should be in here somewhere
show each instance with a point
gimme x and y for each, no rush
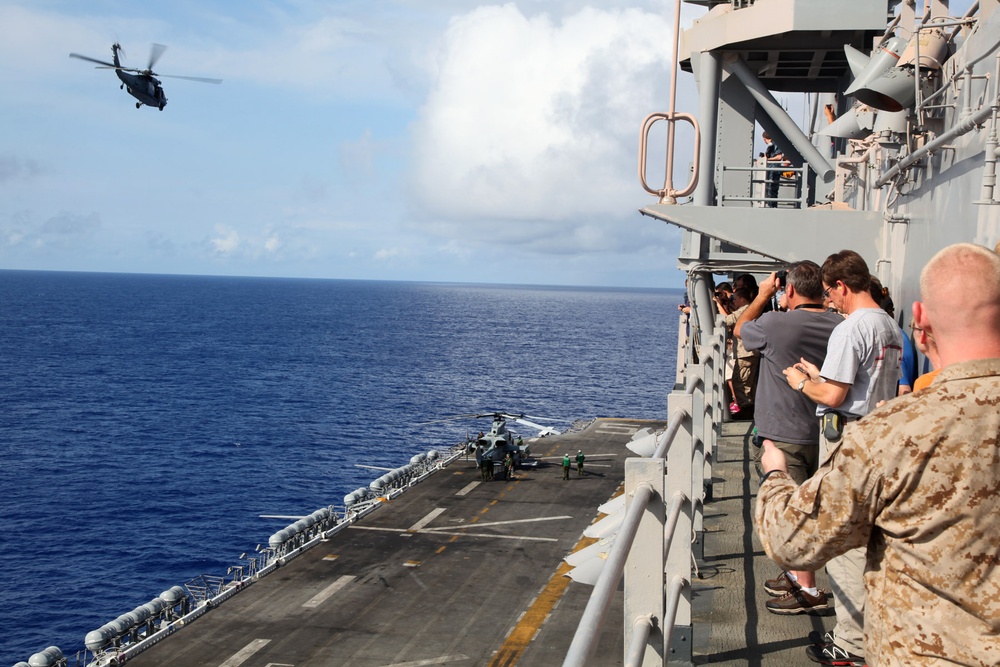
(138, 105)
(121, 87)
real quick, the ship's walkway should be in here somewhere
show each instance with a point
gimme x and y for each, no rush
(731, 625)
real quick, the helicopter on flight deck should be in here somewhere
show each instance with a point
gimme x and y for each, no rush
(142, 84)
(500, 440)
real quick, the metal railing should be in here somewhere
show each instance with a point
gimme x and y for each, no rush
(665, 495)
(800, 174)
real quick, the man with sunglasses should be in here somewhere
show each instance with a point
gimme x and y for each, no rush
(861, 369)
(915, 483)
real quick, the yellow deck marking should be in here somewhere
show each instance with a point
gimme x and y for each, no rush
(529, 624)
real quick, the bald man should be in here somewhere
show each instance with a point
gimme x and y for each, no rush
(916, 482)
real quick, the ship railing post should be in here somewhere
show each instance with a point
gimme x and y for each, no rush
(678, 635)
(644, 566)
(683, 345)
(717, 404)
(698, 380)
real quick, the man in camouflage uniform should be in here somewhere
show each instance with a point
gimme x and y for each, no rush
(916, 482)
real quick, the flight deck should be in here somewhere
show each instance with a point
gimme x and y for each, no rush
(456, 570)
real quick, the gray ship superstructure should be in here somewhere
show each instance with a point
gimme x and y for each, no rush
(906, 167)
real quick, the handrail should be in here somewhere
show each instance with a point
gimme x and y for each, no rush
(668, 436)
(680, 462)
(588, 632)
(677, 585)
(643, 625)
(673, 513)
(802, 173)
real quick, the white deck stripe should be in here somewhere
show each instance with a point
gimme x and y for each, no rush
(433, 514)
(447, 532)
(244, 653)
(322, 596)
(468, 488)
(431, 661)
(503, 523)
(498, 537)
(590, 457)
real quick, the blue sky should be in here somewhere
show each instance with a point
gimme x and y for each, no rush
(433, 140)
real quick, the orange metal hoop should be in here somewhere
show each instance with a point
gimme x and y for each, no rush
(668, 194)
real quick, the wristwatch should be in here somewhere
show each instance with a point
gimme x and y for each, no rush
(802, 385)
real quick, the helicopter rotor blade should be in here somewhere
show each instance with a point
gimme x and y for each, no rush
(471, 415)
(93, 60)
(155, 51)
(200, 79)
(121, 69)
(542, 430)
(550, 419)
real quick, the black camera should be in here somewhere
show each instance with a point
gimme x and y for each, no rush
(780, 280)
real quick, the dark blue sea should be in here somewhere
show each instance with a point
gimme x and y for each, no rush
(147, 421)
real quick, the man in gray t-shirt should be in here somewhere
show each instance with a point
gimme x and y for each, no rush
(864, 353)
(861, 368)
(783, 415)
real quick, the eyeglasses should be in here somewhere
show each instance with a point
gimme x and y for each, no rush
(914, 328)
(826, 293)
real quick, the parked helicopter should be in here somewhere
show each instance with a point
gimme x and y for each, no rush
(499, 440)
(143, 85)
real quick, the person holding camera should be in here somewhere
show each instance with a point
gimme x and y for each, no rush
(786, 416)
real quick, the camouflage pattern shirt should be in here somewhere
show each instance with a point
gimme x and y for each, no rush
(917, 481)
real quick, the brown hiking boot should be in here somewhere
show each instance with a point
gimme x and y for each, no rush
(780, 585)
(798, 602)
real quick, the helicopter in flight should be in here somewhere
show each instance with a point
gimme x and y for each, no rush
(141, 84)
(496, 443)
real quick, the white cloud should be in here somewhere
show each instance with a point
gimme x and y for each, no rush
(531, 119)
(227, 240)
(386, 254)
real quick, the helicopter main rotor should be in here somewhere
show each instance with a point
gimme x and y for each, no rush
(498, 415)
(155, 52)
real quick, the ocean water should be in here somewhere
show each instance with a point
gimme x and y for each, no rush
(147, 421)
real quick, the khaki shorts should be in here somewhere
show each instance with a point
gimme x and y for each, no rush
(803, 460)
